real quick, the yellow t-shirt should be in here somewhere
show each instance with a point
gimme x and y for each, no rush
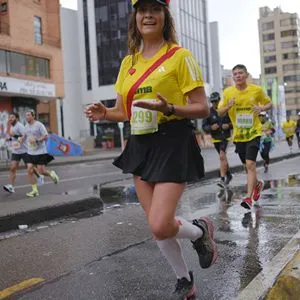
(174, 78)
(246, 124)
(289, 128)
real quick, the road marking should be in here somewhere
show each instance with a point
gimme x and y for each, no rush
(259, 286)
(20, 287)
(75, 179)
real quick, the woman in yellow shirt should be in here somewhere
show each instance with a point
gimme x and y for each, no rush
(159, 89)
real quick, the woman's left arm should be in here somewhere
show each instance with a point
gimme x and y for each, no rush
(197, 107)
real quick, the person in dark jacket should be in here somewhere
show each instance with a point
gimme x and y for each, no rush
(220, 130)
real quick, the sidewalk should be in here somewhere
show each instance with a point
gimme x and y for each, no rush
(47, 207)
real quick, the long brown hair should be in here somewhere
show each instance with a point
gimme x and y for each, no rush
(135, 38)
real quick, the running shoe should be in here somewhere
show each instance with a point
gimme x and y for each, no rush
(9, 188)
(184, 289)
(257, 190)
(247, 203)
(221, 184)
(228, 178)
(205, 246)
(33, 193)
(54, 177)
(40, 180)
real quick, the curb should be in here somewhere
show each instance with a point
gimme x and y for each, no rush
(287, 285)
(47, 213)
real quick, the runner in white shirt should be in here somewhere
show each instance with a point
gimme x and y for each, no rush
(36, 135)
(18, 150)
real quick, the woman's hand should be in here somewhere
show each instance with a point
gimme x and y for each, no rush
(95, 112)
(160, 105)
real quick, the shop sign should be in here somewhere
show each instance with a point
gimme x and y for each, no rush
(27, 87)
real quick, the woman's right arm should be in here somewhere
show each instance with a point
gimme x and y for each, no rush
(117, 113)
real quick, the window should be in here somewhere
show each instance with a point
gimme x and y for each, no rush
(269, 47)
(2, 61)
(291, 101)
(3, 7)
(291, 44)
(268, 37)
(291, 67)
(267, 26)
(288, 22)
(87, 46)
(287, 33)
(38, 35)
(291, 55)
(19, 63)
(270, 59)
(291, 78)
(270, 70)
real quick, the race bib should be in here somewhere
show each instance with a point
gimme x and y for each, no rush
(16, 145)
(244, 120)
(32, 146)
(143, 121)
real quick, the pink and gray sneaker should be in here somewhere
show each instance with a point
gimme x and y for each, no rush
(205, 246)
(247, 203)
(257, 190)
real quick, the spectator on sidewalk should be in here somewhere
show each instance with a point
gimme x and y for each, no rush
(219, 127)
(289, 128)
(162, 152)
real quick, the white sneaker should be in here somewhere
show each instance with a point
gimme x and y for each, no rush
(40, 180)
(9, 188)
(54, 177)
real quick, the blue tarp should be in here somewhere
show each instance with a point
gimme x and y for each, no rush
(58, 146)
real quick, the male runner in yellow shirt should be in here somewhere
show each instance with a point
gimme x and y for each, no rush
(244, 102)
(289, 129)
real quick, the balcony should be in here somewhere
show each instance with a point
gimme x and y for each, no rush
(4, 28)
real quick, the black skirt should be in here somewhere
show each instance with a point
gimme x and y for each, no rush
(171, 154)
(40, 159)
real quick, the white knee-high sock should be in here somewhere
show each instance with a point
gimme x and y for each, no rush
(187, 230)
(171, 249)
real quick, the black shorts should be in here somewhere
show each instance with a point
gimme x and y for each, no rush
(290, 138)
(40, 159)
(171, 154)
(18, 157)
(221, 146)
(248, 150)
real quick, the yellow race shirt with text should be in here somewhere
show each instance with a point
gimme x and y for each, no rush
(289, 128)
(173, 79)
(246, 124)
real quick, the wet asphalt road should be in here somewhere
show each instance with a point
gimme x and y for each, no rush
(112, 255)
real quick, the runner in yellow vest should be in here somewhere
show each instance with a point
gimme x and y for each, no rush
(244, 102)
(289, 129)
(159, 89)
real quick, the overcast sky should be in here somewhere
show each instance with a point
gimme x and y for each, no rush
(238, 31)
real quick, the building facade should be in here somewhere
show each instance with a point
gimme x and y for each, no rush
(279, 36)
(31, 75)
